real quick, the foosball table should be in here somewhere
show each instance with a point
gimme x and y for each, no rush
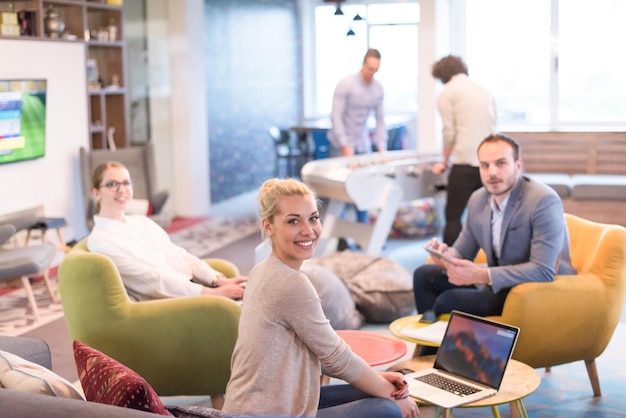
(377, 182)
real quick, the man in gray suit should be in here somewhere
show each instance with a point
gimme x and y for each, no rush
(517, 221)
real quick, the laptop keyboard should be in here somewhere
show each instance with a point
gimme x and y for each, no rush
(448, 385)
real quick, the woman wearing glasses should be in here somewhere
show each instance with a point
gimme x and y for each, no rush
(151, 265)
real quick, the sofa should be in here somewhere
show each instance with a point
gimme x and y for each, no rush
(21, 404)
(585, 168)
(17, 404)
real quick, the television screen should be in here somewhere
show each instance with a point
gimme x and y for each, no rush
(22, 120)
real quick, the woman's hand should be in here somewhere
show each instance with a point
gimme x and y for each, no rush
(230, 290)
(408, 407)
(222, 280)
(399, 382)
(401, 394)
(388, 385)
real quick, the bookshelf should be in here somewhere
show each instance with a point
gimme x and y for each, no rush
(99, 25)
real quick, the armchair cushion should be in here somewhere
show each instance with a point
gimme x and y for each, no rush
(6, 232)
(107, 381)
(19, 374)
(31, 349)
(22, 219)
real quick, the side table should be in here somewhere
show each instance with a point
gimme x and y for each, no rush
(520, 380)
(374, 348)
(43, 224)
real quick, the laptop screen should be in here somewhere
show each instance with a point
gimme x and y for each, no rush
(476, 349)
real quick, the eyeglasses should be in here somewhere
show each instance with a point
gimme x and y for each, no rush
(115, 185)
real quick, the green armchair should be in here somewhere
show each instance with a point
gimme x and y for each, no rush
(181, 346)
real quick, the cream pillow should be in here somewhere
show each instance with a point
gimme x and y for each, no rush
(23, 375)
(381, 288)
(337, 303)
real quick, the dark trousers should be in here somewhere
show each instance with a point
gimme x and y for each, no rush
(433, 291)
(463, 180)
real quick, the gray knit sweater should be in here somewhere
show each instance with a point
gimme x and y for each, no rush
(285, 343)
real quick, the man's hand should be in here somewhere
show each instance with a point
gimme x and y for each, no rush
(347, 151)
(466, 273)
(439, 168)
(443, 249)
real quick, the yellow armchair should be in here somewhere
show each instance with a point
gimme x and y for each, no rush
(181, 346)
(573, 318)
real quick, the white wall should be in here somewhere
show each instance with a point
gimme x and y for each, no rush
(52, 182)
(189, 146)
(178, 109)
(433, 44)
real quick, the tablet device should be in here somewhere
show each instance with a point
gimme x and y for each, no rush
(437, 253)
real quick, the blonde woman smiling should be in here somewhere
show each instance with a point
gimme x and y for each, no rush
(285, 342)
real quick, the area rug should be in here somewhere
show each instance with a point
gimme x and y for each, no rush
(16, 315)
(180, 223)
(208, 236)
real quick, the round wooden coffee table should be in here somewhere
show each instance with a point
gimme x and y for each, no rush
(412, 322)
(520, 380)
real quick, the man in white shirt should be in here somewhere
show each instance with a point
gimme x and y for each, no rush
(468, 115)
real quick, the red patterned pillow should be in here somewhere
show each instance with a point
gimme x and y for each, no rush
(105, 380)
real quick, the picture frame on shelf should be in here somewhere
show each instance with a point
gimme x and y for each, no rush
(93, 75)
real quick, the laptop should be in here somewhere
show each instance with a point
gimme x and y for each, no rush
(470, 362)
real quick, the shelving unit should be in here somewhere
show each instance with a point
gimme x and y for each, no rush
(99, 25)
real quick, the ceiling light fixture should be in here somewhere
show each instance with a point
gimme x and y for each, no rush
(350, 33)
(357, 17)
(338, 11)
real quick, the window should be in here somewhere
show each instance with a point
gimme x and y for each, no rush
(389, 27)
(592, 64)
(550, 64)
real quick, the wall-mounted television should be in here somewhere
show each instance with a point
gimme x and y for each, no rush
(22, 120)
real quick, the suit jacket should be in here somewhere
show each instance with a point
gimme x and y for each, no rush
(534, 242)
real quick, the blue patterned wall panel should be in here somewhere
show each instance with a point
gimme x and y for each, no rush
(253, 63)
